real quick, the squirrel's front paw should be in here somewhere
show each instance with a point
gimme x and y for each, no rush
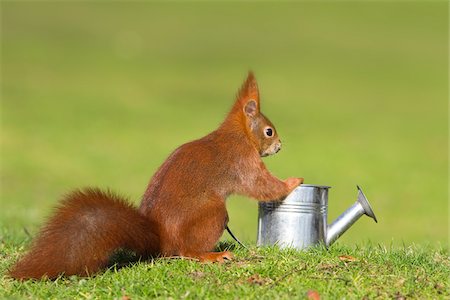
(293, 182)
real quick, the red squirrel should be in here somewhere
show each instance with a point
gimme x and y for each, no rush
(182, 212)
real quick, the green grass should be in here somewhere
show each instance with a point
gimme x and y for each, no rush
(101, 93)
(369, 271)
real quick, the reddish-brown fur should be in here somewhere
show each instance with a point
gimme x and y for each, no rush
(82, 234)
(183, 210)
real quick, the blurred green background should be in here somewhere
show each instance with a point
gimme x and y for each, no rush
(101, 93)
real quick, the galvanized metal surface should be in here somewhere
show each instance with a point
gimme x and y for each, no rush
(300, 220)
(350, 216)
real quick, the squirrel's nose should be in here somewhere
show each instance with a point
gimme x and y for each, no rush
(278, 147)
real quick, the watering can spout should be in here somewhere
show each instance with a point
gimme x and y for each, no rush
(350, 216)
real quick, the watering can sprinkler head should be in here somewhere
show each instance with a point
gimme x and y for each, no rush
(365, 204)
(350, 216)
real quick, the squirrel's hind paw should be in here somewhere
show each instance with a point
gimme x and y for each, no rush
(218, 257)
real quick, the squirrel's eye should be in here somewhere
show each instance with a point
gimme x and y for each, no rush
(268, 132)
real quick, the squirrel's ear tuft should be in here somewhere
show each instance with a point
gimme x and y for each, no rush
(248, 95)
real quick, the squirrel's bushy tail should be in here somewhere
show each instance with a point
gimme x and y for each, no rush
(85, 230)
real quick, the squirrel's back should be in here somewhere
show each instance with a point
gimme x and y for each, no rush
(213, 164)
(84, 231)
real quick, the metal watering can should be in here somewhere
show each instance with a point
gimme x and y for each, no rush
(300, 220)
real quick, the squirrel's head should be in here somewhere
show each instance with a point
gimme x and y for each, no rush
(258, 128)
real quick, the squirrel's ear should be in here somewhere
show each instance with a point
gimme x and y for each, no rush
(251, 108)
(248, 96)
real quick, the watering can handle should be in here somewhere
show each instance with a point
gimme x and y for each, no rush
(235, 238)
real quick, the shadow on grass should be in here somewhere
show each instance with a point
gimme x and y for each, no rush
(227, 246)
(124, 258)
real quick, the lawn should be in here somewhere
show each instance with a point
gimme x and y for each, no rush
(367, 272)
(101, 93)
